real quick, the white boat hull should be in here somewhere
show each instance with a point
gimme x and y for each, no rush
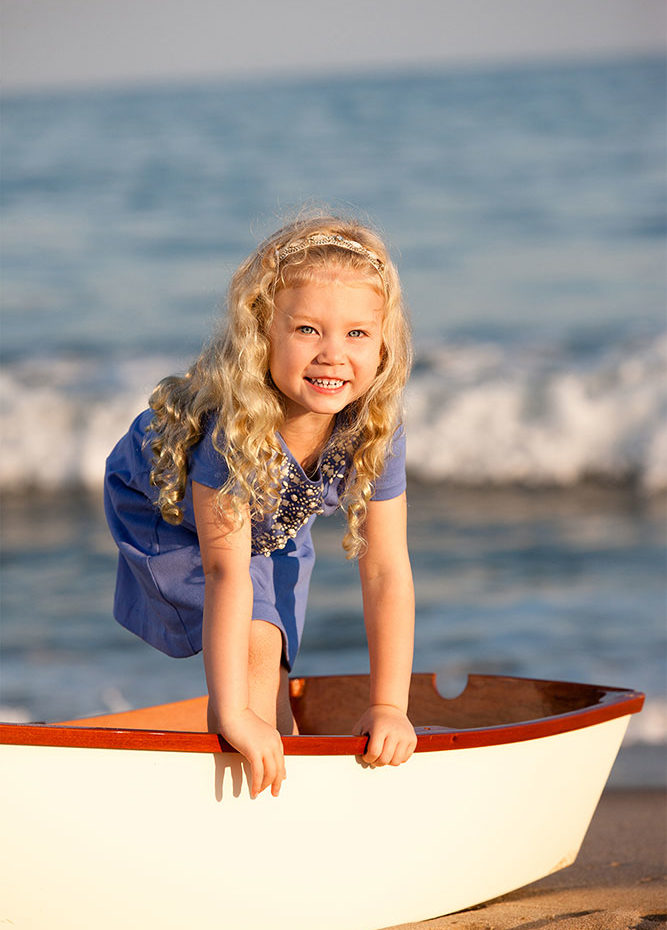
(113, 838)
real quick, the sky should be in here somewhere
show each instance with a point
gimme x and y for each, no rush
(59, 43)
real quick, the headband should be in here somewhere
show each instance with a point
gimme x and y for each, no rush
(301, 245)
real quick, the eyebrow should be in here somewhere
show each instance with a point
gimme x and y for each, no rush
(355, 323)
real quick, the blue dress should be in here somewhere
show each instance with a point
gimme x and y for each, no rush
(160, 581)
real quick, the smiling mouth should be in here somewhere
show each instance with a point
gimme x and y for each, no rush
(330, 383)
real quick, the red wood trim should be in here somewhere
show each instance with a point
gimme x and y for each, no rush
(165, 740)
(615, 703)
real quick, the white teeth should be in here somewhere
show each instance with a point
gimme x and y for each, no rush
(327, 382)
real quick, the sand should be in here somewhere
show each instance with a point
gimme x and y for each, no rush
(617, 882)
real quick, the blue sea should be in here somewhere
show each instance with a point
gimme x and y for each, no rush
(525, 208)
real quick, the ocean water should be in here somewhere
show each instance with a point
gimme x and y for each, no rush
(526, 210)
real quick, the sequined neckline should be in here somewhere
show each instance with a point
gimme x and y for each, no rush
(331, 442)
(301, 497)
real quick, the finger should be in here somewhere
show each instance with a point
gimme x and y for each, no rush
(412, 745)
(257, 775)
(274, 767)
(275, 773)
(281, 775)
(374, 749)
(388, 752)
(402, 753)
(395, 751)
(270, 770)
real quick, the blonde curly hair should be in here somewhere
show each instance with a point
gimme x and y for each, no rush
(230, 380)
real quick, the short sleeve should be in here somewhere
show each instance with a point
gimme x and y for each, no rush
(207, 466)
(392, 481)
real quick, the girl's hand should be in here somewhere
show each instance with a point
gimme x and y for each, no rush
(391, 736)
(262, 746)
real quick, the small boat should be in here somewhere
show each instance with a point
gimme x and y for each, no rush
(143, 819)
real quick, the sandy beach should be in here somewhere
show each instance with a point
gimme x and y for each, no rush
(617, 882)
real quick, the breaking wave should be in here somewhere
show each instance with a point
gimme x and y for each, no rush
(483, 414)
(477, 413)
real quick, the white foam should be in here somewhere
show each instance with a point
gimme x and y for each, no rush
(481, 415)
(60, 418)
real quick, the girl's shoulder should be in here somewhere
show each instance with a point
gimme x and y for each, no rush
(392, 482)
(137, 438)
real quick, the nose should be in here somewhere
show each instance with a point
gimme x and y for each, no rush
(331, 351)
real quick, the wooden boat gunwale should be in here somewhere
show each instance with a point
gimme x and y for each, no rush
(608, 703)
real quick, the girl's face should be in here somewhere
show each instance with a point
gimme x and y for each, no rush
(326, 343)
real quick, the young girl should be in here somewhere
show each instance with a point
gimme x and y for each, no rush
(293, 410)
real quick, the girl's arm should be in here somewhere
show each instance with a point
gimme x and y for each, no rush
(389, 612)
(228, 597)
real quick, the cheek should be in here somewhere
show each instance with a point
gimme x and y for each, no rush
(284, 356)
(369, 366)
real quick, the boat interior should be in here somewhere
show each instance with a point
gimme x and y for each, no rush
(331, 705)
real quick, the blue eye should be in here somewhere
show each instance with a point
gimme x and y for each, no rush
(306, 330)
(356, 333)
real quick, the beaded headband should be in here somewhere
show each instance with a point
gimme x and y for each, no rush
(300, 245)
